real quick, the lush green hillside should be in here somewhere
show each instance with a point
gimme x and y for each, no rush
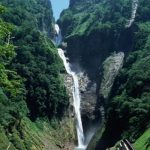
(31, 87)
(143, 142)
(94, 29)
(36, 60)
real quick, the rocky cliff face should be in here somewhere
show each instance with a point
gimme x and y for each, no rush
(111, 68)
(89, 109)
(88, 96)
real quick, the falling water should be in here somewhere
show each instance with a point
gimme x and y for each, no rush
(134, 10)
(58, 37)
(75, 93)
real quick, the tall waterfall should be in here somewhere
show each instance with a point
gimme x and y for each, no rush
(75, 93)
(134, 10)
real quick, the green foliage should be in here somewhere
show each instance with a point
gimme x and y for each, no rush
(37, 60)
(10, 82)
(4, 141)
(131, 103)
(2, 9)
(39, 64)
(83, 17)
(30, 81)
(12, 104)
(19, 13)
(143, 142)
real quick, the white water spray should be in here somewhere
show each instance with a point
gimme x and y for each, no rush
(75, 93)
(133, 15)
(58, 37)
(57, 29)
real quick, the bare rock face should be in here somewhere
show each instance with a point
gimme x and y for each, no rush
(87, 93)
(89, 110)
(68, 83)
(111, 67)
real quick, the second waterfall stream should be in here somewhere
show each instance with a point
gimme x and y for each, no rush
(75, 93)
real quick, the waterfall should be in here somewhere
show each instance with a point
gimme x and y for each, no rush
(58, 37)
(134, 10)
(75, 93)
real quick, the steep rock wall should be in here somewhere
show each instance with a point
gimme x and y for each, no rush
(111, 68)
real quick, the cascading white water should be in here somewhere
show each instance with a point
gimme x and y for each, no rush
(58, 37)
(75, 92)
(134, 10)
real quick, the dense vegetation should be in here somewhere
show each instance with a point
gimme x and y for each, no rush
(94, 29)
(31, 86)
(36, 60)
(12, 89)
(130, 108)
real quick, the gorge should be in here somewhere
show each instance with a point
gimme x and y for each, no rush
(81, 82)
